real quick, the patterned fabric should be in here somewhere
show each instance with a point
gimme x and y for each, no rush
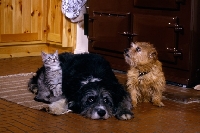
(73, 9)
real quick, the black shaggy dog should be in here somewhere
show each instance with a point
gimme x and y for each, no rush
(91, 89)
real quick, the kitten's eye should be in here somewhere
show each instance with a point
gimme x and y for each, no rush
(91, 99)
(138, 49)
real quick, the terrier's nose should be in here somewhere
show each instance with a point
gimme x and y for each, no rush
(101, 112)
(126, 50)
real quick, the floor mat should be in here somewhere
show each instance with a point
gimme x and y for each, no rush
(14, 88)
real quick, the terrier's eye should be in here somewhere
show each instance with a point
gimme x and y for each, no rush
(91, 99)
(138, 49)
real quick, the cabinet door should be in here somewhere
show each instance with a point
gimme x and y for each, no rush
(159, 4)
(22, 20)
(55, 21)
(107, 25)
(107, 30)
(162, 31)
(60, 30)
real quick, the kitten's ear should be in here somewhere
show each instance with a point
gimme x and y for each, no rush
(56, 53)
(43, 54)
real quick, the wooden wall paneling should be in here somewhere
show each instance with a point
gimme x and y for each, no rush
(7, 15)
(45, 20)
(36, 19)
(58, 17)
(61, 30)
(73, 35)
(19, 21)
(54, 21)
(20, 37)
(29, 26)
(52, 48)
(17, 16)
(26, 16)
(69, 33)
(22, 50)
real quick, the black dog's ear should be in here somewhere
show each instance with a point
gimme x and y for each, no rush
(70, 104)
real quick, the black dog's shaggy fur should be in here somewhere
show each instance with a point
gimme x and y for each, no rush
(91, 88)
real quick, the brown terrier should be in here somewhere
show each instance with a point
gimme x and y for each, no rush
(146, 80)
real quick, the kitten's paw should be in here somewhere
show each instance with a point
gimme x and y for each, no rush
(57, 92)
(58, 107)
(33, 88)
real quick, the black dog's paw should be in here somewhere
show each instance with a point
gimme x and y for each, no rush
(125, 115)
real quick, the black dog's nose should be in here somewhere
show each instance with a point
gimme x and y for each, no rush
(101, 112)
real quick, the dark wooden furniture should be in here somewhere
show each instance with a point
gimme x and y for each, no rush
(171, 25)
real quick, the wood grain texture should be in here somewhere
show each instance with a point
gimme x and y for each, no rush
(26, 24)
(22, 50)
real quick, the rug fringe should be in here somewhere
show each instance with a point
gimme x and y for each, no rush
(21, 74)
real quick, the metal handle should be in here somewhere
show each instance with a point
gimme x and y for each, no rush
(175, 25)
(175, 52)
(128, 35)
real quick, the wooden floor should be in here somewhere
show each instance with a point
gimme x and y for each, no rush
(175, 117)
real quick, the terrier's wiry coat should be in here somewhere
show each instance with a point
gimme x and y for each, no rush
(146, 81)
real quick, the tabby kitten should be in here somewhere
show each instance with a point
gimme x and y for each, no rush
(49, 83)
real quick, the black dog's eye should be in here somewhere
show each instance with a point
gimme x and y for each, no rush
(138, 49)
(91, 99)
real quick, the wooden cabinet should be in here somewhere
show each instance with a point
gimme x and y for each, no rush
(171, 25)
(23, 20)
(107, 24)
(60, 30)
(29, 26)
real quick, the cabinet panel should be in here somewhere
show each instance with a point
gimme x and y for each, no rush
(159, 4)
(54, 21)
(107, 29)
(22, 17)
(60, 30)
(163, 32)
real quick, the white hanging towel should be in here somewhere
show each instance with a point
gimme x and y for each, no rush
(74, 9)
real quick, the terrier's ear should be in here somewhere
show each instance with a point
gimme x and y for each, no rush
(132, 44)
(153, 55)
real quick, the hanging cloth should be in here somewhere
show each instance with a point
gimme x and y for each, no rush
(74, 9)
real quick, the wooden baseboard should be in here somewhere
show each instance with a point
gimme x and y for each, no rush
(52, 48)
(23, 50)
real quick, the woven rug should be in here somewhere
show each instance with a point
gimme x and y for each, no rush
(14, 88)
